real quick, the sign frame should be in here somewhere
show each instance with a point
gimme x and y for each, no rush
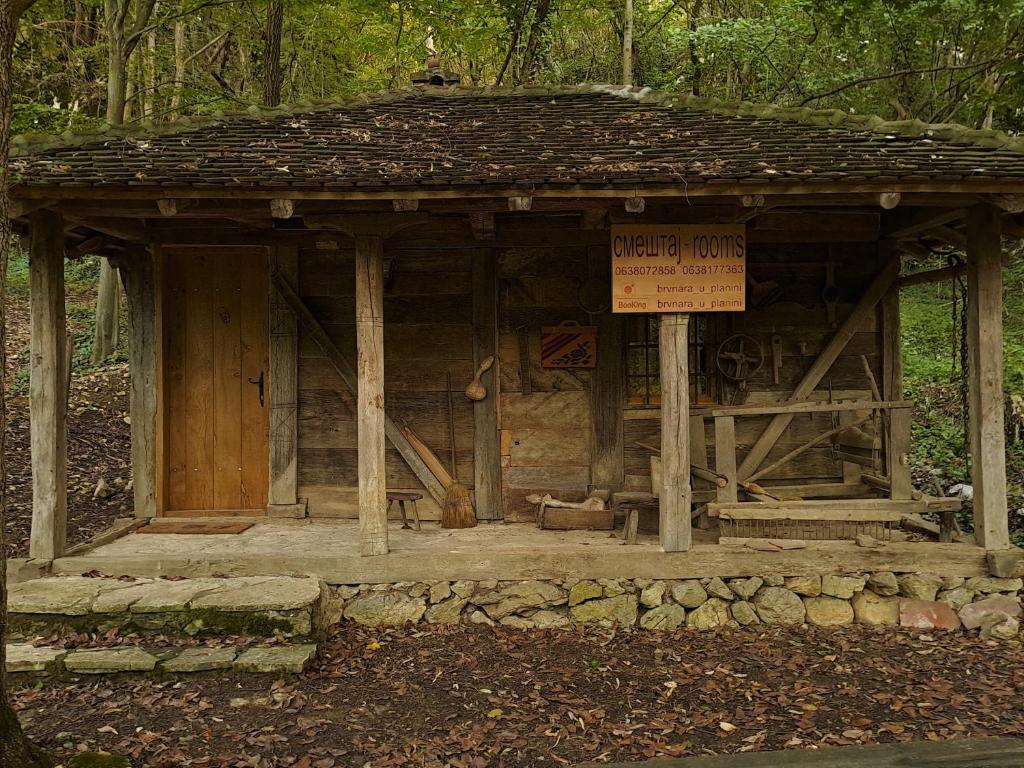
(687, 268)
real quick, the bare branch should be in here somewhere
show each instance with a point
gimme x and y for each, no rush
(901, 73)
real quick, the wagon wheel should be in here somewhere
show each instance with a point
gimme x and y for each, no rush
(739, 357)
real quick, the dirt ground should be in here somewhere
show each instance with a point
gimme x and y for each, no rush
(476, 696)
(99, 440)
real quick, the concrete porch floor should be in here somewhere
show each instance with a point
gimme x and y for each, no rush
(329, 549)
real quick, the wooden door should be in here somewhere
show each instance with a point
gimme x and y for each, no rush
(216, 380)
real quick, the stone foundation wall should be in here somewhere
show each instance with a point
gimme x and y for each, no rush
(923, 601)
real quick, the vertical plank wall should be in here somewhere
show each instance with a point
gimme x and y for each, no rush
(790, 279)
(544, 415)
(427, 332)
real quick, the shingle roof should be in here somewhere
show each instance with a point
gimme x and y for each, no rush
(585, 136)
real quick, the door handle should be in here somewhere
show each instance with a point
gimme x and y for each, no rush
(259, 383)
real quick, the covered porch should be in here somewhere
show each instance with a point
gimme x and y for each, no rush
(329, 549)
(331, 316)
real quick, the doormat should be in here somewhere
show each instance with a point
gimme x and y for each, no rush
(198, 527)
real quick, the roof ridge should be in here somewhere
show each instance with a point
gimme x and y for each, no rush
(981, 137)
(26, 144)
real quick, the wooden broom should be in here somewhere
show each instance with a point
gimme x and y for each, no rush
(457, 510)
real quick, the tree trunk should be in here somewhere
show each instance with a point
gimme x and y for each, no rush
(15, 749)
(149, 94)
(627, 44)
(108, 301)
(124, 30)
(695, 69)
(272, 54)
(530, 63)
(117, 91)
(180, 67)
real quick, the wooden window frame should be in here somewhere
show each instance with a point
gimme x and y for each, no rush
(642, 335)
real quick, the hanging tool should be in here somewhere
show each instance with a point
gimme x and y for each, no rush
(475, 390)
(739, 357)
(830, 294)
(776, 358)
(457, 509)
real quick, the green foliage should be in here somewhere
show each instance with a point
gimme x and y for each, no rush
(80, 276)
(936, 60)
(40, 118)
(932, 378)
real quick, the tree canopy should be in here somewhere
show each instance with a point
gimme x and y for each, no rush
(933, 60)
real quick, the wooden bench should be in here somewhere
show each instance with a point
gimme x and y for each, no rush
(402, 497)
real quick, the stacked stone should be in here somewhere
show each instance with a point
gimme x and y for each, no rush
(278, 659)
(922, 601)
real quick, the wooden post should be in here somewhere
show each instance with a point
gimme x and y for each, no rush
(48, 387)
(373, 515)
(138, 276)
(897, 449)
(607, 395)
(282, 497)
(898, 421)
(486, 448)
(985, 342)
(674, 502)
(725, 456)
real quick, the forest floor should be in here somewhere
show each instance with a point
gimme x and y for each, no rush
(99, 433)
(480, 696)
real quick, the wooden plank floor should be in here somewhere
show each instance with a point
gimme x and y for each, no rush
(967, 753)
(329, 549)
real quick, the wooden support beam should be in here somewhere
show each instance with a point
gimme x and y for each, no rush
(985, 342)
(282, 209)
(1009, 203)
(284, 385)
(804, 447)
(138, 276)
(48, 387)
(807, 407)
(129, 230)
(167, 207)
(486, 439)
(866, 306)
(950, 235)
(22, 207)
(594, 218)
(676, 493)
(347, 375)
(373, 514)
(88, 246)
(914, 222)
(932, 276)
(607, 398)
(892, 385)
(725, 456)
(482, 224)
(888, 200)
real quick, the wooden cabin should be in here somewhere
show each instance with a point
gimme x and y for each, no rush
(308, 287)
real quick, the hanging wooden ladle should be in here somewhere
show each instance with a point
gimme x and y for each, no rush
(476, 390)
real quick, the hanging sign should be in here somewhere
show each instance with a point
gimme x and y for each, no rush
(569, 345)
(688, 268)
